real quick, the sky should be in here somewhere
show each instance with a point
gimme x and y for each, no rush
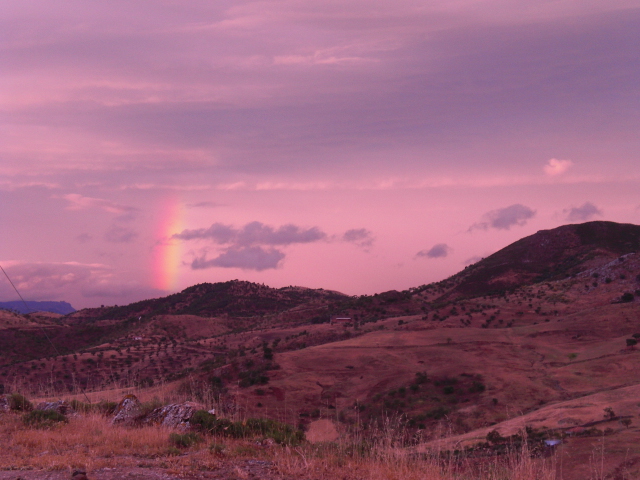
(146, 146)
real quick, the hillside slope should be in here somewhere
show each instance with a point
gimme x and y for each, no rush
(547, 255)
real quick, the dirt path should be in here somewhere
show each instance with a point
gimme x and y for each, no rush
(246, 469)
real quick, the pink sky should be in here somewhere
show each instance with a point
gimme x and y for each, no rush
(356, 146)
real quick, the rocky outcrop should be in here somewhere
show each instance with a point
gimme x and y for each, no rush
(128, 412)
(61, 406)
(176, 415)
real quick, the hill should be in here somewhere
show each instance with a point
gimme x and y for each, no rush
(548, 255)
(62, 308)
(233, 298)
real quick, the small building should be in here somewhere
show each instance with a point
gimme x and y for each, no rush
(340, 320)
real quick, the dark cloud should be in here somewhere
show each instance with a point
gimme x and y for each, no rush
(440, 250)
(120, 235)
(246, 258)
(361, 237)
(80, 202)
(505, 218)
(245, 245)
(254, 233)
(582, 213)
(84, 238)
(204, 205)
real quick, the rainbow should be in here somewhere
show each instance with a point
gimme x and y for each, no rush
(168, 252)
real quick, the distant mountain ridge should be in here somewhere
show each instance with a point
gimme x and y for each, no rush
(62, 308)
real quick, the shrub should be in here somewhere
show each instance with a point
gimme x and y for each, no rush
(105, 408)
(43, 419)
(150, 406)
(477, 387)
(627, 297)
(631, 342)
(437, 413)
(19, 403)
(184, 440)
(494, 437)
(280, 432)
(81, 407)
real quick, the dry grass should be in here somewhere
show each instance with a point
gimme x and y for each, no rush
(91, 442)
(382, 455)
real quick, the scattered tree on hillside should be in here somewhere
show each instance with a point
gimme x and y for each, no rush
(609, 414)
(631, 342)
(627, 297)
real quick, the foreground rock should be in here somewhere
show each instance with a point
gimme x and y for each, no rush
(61, 406)
(176, 415)
(128, 412)
(4, 404)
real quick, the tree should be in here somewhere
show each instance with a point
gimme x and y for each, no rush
(609, 414)
(631, 342)
(627, 297)
(626, 422)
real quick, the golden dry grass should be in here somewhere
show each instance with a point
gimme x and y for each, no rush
(91, 442)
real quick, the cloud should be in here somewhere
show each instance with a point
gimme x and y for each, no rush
(245, 245)
(84, 238)
(204, 205)
(246, 258)
(361, 237)
(472, 260)
(72, 282)
(557, 167)
(582, 213)
(440, 250)
(254, 233)
(120, 235)
(80, 202)
(505, 218)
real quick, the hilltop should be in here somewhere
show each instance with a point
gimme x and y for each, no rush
(547, 255)
(233, 298)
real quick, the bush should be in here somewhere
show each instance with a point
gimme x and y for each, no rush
(477, 387)
(280, 432)
(627, 297)
(19, 403)
(494, 437)
(106, 408)
(43, 419)
(184, 440)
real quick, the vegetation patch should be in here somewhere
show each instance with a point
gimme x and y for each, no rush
(43, 419)
(281, 433)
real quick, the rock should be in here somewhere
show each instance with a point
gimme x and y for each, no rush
(79, 475)
(174, 415)
(61, 406)
(4, 404)
(128, 411)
